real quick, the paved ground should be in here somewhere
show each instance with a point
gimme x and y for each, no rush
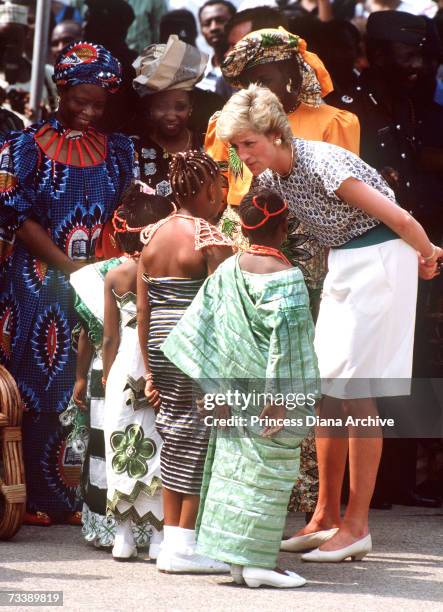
(403, 573)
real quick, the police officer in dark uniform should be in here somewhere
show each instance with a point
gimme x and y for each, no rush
(397, 117)
(382, 99)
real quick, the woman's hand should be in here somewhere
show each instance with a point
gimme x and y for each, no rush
(78, 265)
(79, 393)
(429, 267)
(74, 266)
(39, 243)
(271, 411)
(152, 394)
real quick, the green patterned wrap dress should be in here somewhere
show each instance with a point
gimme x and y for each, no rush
(98, 527)
(250, 333)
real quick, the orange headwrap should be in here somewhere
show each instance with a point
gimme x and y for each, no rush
(274, 45)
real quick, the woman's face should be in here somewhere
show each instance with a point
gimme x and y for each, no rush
(170, 111)
(257, 151)
(81, 106)
(277, 77)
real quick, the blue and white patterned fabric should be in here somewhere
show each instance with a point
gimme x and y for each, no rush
(71, 202)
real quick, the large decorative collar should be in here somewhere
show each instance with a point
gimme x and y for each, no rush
(70, 147)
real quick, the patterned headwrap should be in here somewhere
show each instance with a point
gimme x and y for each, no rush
(84, 63)
(175, 65)
(272, 45)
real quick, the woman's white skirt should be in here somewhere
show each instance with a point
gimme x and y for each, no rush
(364, 335)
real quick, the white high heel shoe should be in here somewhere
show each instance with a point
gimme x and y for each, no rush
(356, 551)
(257, 576)
(308, 541)
(124, 543)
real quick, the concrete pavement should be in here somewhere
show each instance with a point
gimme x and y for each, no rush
(404, 573)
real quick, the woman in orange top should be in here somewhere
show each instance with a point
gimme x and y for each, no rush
(279, 60)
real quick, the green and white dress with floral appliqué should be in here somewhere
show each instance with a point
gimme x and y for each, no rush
(132, 443)
(97, 528)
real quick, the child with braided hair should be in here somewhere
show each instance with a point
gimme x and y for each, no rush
(249, 330)
(179, 253)
(132, 444)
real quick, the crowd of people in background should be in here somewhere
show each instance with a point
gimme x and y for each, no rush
(207, 176)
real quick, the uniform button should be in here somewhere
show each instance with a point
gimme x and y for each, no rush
(382, 144)
(347, 99)
(403, 155)
(398, 126)
(358, 88)
(408, 184)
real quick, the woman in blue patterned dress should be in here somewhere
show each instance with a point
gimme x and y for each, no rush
(60, 180)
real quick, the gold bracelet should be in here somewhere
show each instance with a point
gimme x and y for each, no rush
(434, 248)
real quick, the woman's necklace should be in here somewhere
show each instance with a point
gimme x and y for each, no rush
(291, 166)
(167, 153)
(259, 249)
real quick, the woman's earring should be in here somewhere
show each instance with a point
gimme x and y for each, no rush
(277, 141)
(289, 85)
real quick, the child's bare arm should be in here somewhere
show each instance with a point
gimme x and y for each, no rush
(215, 255)
(143, 311)
(85, 351)
(111, 331)
(143, 322)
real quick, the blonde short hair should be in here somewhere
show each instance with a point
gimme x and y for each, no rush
(255, 108)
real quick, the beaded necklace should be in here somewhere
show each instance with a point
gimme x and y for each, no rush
(259, 249)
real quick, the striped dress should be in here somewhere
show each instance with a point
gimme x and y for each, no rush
(185, 438)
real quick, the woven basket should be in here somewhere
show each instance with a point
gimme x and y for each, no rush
(12, 474)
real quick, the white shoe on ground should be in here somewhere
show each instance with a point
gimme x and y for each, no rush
(308, 541)
(185, 562)
(237, 574)
(155, 543)
(124, 543)
(356, 551)
(178, 555)
(258, 576)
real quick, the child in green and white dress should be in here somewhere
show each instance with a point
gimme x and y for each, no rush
(132, 444)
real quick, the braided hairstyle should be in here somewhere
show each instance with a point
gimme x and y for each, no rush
(137, 210)
(189, 171)
(251, 214)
